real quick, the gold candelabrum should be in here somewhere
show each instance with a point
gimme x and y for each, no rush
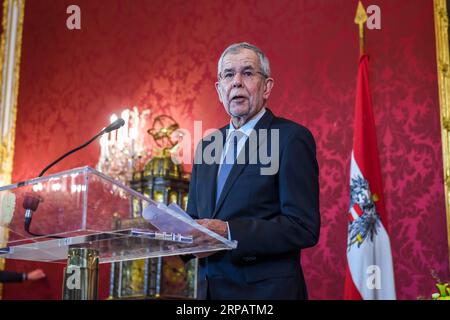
(124, 150)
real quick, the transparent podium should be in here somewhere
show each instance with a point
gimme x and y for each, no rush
(82, 217)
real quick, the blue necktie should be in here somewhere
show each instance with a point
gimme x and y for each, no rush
(228, 161)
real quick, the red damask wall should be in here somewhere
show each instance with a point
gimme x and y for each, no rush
(162, 55)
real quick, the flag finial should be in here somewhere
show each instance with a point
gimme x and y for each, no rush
(360, 19)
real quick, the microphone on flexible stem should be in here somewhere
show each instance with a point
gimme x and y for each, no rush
(31, 202)
(113, 126)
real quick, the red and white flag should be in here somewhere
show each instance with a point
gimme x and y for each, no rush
(369, 274)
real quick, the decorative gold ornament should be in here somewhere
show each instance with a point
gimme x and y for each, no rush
(162, 131)
(360, 20)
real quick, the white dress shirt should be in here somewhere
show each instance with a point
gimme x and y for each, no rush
(246, 129)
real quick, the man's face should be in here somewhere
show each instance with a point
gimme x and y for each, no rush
(242, 88)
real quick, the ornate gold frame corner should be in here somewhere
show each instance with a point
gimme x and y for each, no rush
(10, 52)
(441, 18)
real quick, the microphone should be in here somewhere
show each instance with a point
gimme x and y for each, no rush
(114, 126)
(31, 202)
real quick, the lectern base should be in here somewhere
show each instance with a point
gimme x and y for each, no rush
(81, 275)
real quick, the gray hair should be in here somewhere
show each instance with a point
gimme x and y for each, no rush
(236, 47)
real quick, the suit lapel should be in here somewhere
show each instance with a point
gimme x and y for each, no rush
(263, 123)
(209, 187)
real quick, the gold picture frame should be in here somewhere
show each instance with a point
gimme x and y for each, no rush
(441, 18)
(10, 50)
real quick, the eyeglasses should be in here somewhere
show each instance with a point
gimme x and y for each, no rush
(247, 74)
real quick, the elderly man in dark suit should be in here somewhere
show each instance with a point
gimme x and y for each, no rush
(270, 207)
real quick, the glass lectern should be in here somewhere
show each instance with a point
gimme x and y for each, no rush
(82, 217)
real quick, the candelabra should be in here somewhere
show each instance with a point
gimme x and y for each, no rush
(125, 150)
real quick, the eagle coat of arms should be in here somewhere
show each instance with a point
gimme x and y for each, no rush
(364, 220)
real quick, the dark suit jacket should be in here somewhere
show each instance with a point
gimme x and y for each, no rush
(272, 217)
(10, 276)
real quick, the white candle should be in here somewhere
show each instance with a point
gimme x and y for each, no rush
(113, 133)
(125, 117)
(103, 147)
(120, 138)
(134, 121)
(136, 124)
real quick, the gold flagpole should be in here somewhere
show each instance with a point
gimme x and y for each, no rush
(360, 20)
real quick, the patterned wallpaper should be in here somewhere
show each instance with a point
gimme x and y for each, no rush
(162, 55)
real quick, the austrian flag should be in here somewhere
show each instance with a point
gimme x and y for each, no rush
(369, 274)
